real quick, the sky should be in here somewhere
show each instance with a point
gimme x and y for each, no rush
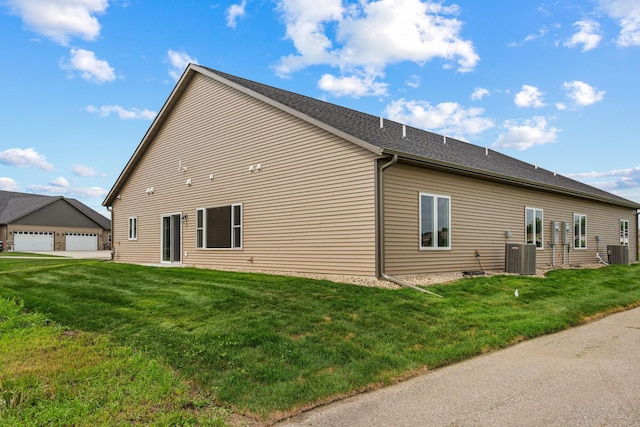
(554, 83)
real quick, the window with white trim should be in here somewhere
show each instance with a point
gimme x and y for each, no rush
(200, 228)
(435, 221)
(579, 231)
(219, 227)
(534, 227)
(133, 228)
(624, 232)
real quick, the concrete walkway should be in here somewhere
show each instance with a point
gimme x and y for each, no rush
(105, 255)
(585, 376)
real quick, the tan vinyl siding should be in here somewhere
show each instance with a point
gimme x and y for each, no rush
(310, 208)
(481, 212)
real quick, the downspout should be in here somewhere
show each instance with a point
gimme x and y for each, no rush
(113, 248)
(637, 234)
(380, 250)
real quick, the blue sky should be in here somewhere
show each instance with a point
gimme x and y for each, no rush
(552, 83)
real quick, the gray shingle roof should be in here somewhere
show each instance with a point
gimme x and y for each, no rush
(15, 205)
(426, 147)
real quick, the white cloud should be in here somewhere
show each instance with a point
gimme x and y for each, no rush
(8, 184)
(529, 96)
(447, 117)
(616, 172)
(234, 12)
(133, 113)
(60, 186)
(541, 33)
(627, 12)
(352, 86)
(531, 132)
(59, 182)
(24, 158)
(60, 20)
(364, 38)
(582, 94)
(413, 82)
(479, 93)
(589, 35)
(178, 62)
(84, 171)
(90, 68)
(618, 181)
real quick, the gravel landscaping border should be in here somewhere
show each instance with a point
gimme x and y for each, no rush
(412, 279)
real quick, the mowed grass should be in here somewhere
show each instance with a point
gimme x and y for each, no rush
(270, 345)
(53, 376)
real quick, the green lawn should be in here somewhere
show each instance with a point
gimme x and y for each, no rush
(270, 345)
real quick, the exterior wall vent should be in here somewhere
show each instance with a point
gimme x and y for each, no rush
(520, 258)
(618, 254)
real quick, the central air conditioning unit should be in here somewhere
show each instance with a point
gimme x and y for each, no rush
(520, 258)
(618, 254)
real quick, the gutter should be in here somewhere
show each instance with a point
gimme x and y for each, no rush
(380, 246)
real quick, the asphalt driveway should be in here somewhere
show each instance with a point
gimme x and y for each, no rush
(585, 376)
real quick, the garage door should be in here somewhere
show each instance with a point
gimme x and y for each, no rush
(32, 241)
(82, 241)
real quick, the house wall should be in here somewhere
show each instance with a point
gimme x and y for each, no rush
(311, 208)
(4, 236)
(481, 212)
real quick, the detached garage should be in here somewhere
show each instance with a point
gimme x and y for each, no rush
(28, 241)
(31, 222)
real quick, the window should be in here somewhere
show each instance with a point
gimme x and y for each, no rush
(435, 222)
(219, 227)
(579, 231)
(200, 228)
(534, 232)
(133, 228)
(624, 232)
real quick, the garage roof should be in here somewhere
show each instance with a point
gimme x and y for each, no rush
(15, 205)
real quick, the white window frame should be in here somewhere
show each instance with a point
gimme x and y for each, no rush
(534, 240)
(133, 228)
(581, 235)
(624, 232)
(435, 222)
(235, 227)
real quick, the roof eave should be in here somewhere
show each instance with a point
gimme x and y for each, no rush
(506, 179)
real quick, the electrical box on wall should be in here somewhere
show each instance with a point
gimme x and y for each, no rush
(555, 232)
(565, 233)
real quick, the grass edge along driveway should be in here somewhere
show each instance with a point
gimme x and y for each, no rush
(269, 346)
